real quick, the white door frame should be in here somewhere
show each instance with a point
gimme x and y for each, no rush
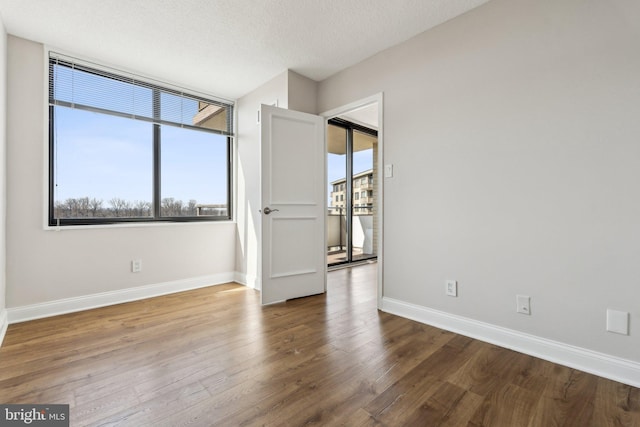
(377, 98)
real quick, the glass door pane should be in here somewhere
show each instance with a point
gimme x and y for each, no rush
(352, 189)
(362, 216)
(337, 193)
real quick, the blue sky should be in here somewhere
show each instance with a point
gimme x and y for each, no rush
(102, 156)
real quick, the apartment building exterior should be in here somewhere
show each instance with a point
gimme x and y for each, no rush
(362, 194)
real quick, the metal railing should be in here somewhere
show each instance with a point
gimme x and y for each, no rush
(337, 225)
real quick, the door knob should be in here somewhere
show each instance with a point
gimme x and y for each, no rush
(267, 210)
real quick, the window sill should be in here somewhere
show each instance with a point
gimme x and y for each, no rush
(137, 225)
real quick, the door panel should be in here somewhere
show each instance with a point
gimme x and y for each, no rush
(292, 183)
(300, 255)
(293, 221)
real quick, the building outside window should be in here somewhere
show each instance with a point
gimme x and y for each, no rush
(365, 179)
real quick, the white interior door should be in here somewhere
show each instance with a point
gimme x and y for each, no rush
(293, 206)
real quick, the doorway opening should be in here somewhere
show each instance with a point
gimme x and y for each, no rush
(352, 187)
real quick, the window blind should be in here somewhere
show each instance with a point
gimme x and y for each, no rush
(78, 84)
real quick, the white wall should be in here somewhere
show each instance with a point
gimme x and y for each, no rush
(248, 145)
(514, 134)
(302, 93)
(3, 127)
(45, 266)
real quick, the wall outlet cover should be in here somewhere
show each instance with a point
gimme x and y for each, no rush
(618, 322)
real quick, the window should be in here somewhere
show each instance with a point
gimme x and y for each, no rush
(126, 150)
(357, 196)
(364, 194)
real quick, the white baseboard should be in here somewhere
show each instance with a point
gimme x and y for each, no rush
(240, 278)
(248, 280)
(603, 365)
(4, 323)
(86, 302)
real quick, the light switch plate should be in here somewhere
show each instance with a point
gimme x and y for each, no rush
(388, 171)
(451, 288)
(523, 304)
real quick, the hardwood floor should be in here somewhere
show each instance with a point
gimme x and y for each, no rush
(214, 356)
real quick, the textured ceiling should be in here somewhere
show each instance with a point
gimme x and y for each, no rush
(226, 47)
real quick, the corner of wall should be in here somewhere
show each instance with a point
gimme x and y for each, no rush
(4, 324)
(302, 93)
(248, 280)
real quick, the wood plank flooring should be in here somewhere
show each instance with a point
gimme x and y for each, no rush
(214, 356)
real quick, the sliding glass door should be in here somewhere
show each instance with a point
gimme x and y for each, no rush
(352, 189)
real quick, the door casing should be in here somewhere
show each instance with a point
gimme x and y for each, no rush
(373, 99)
(377, 99)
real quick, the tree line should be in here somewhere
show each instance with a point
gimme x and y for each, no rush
(87, 207)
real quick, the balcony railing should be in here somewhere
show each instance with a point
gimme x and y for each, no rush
(362, 233)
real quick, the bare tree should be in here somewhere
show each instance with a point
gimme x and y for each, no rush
(119, 207)
(83, 207)
(171, 207)
(95, 208)
(141, 208)
(71, 206)
(190, 209)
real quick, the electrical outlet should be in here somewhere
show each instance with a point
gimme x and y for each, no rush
(451, 288)
(523, 304)
(136, 266)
